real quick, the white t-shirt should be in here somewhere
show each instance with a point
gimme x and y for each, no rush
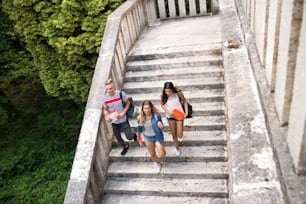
(114, 103)
(174, 102)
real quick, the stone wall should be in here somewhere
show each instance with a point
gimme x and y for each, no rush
(277, 26)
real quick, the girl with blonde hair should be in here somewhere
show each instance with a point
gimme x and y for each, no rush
(150, 125)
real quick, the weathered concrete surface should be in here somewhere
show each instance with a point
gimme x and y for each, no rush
(254, 177)
(190, 32)
(293, 186)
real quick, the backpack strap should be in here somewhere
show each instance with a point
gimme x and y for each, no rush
(120, 94)
(181, 96)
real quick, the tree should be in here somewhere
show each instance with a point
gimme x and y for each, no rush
(63, 37)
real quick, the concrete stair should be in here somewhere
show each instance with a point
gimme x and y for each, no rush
(200, 173)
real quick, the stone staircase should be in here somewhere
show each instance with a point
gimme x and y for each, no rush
(200, 173)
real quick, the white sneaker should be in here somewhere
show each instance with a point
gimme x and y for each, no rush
(180, 139)
(158, 167)
(177, 152)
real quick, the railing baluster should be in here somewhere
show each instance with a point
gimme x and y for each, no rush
(203, 7)
(172, 10)
(182, 8)
(192, 8)
(162, 9)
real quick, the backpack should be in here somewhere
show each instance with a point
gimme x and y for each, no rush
(189, 106)
(130, 112)
(190, 111)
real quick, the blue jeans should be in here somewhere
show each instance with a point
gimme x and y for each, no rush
(127, 130)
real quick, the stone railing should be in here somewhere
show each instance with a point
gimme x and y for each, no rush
(124, 26)
(184, 8)
(90, 164)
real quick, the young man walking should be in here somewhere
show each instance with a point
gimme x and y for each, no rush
(115, 113)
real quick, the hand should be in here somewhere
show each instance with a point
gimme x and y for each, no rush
(108, 119)
(160, 125)
(121, 115)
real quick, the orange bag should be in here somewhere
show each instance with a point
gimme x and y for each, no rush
(178, 115)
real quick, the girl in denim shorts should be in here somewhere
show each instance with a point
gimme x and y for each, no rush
(150, 126)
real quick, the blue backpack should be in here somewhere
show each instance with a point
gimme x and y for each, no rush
(130, 112)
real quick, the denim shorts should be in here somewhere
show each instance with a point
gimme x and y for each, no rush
(159, 139)
(173, 119)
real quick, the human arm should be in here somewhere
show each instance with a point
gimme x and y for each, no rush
(164, 107)
(106, 113)
(127, 102)
(159, 122)
(184, 102)
(126, 108)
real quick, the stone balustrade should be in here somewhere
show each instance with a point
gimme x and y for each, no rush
(90, 164)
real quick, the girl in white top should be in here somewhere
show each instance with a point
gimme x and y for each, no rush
(171, 99)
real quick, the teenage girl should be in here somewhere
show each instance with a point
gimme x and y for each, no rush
(171, 99)
(150, 126)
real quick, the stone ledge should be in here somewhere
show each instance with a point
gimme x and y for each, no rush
(253, 175)
(293, 186)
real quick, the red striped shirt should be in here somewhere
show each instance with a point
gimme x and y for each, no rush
(112, 100)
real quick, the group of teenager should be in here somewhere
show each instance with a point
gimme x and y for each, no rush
(150, 124)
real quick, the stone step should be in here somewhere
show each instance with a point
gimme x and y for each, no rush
(193, 96)
(171, 52)
(199, 109)
(176, 73)
(167, 63)
(215, 153)
(168, 187)
(196, 123)
(196, 83)
(189, 170)
(144, 199)
(191, 138)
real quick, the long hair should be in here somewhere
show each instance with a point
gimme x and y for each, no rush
(142, 117)
(168, 85)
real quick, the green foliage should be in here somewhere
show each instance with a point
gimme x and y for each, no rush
(48, 50)
(36, 157)
(64, 38)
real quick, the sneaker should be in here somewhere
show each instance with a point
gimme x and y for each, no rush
(125, 149)
(158, 167)
(177, 152)
(180, 139)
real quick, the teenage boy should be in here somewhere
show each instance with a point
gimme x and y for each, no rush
(115, 113)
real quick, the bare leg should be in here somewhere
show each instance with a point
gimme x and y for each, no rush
(160, 150)
(179, 128)
(151, 148)
(172, 126)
